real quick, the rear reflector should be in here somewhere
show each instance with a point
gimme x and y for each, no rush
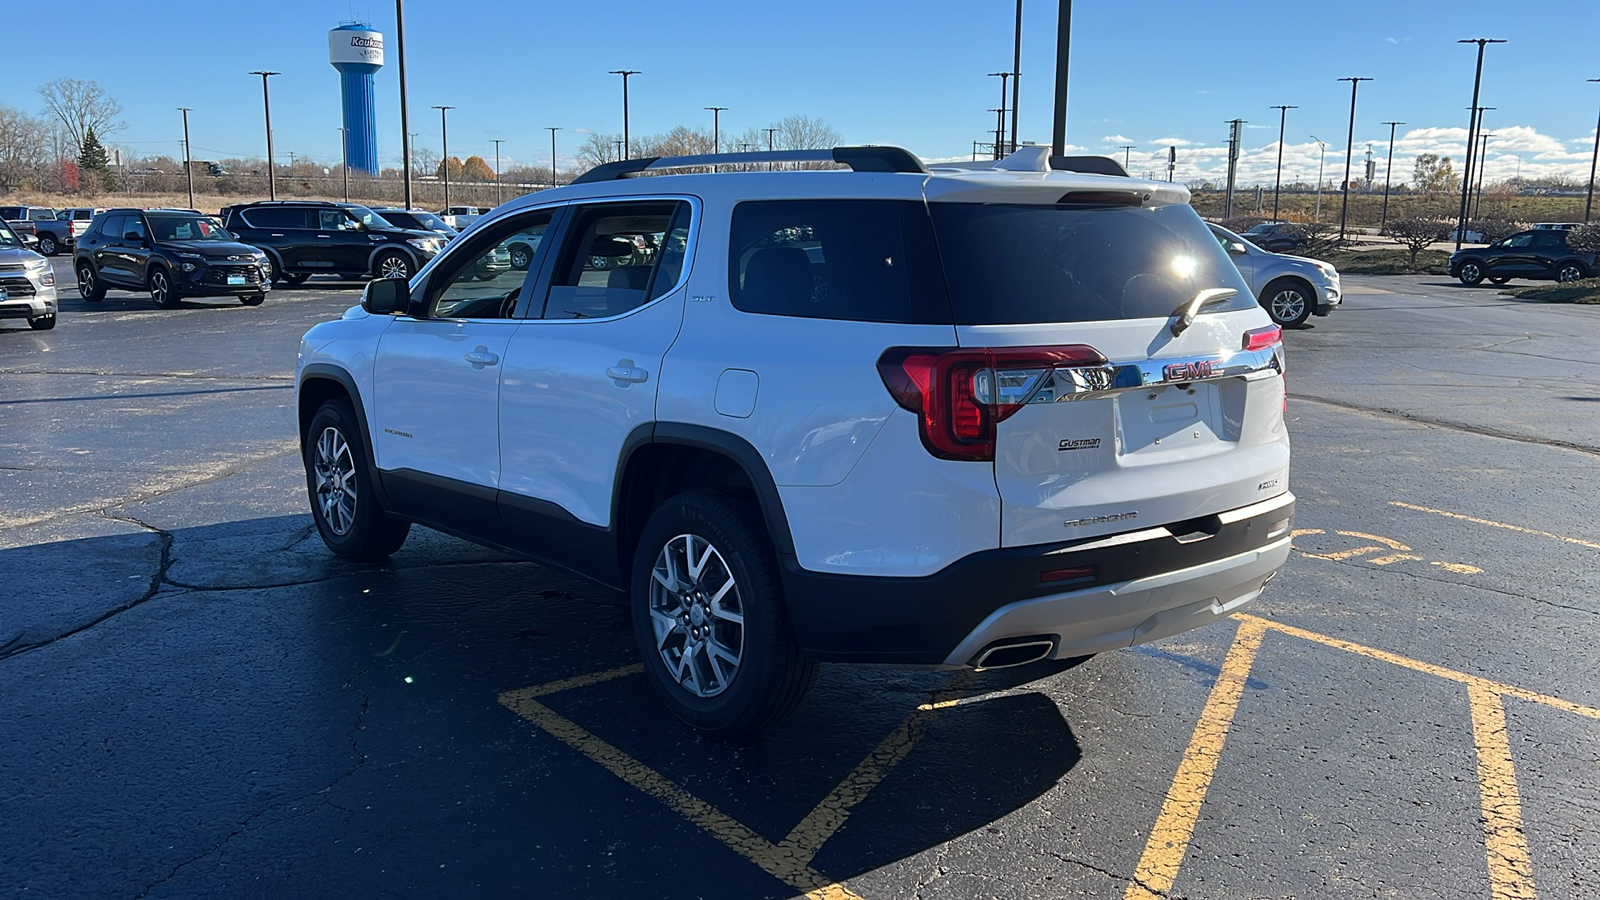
(1077, 573)
(1262, 338)
(961, 394)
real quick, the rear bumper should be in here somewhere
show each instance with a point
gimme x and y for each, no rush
(1140, 586)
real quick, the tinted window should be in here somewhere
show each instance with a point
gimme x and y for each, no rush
(277, 217)
(111, 226)
(335, 220)
(1014, 264)
(1549, 239)
(399, 219)
(134, 225)
(609, 259)
(1518, 241)
(861, 260)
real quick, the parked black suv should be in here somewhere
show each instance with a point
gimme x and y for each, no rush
(306, 237)
(416, 220)
(1276, 237)
(171, 253)
(1542, 253)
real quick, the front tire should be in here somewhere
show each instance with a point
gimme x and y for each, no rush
(1471, 274)
(43, 323)
(161, 289)
(521, 257)
(709, 617)
(1288, 302)
(393, 264)
(297, 278)
(89, 286)
(343, 503)
(1499, 279)
(1569, 272)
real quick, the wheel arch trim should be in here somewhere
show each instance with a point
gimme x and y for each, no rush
(329, 372)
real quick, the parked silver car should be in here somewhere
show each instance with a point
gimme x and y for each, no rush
(1290, 288)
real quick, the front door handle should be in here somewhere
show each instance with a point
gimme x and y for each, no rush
(626, 373)
(481, 357)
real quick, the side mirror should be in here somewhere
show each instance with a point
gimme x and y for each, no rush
(1237, 248)
(29, 240)
(134, 236)
(385, 296)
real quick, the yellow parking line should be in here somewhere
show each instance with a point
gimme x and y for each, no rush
(1510, 870)
(567, 684)
(783, 863)
(1169, 839)
(1497, 687)
(1494, 524)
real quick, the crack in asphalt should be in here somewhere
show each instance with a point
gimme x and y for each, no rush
(194, 375)
(1355, 564)
(1454, 426)
(1124, 879)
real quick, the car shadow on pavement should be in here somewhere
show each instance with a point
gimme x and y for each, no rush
(262, 694)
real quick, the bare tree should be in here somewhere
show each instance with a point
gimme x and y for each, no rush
(806, 133)
(24, 149)
(1415, 234)
(424, 161)
(80, 106)
(599, 149)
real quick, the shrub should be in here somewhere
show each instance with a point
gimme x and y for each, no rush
(1415, 234)
(1585, 238)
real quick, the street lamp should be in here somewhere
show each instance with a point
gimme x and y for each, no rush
(624, 73)
(1000, 130)
(497, 142)
(1472, 134)
(1387, 170)
(1349, 148)
(266, 102)
(1127, 151)
(1016, 76)
(1058, 129)
(188, 158)
(344, 163)
(1277, 184)
(1589, 201)
(772, 131)
(405, 121)
(1317, 216)
(444, 162)
(553, 180)
(716, 127)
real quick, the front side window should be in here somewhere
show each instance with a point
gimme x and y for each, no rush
(1517, 241)
(613, 262)
(133, 228)
(366, 216)
(335, 220)
(477, 280)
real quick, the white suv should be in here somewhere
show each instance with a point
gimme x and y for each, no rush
(962, 418)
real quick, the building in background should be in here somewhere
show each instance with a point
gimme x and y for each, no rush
(357, 52)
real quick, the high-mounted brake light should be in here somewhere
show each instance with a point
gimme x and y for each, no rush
(1262, 338)
(961, 394)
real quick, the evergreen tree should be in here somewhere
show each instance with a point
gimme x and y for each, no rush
(93, 162)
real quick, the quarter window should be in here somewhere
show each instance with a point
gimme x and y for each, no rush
(617, 257)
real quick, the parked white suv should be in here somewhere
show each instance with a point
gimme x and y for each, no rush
(27, 283)
(1291, 289)
(959, 418)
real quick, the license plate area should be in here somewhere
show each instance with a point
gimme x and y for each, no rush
(237, 279)
(1179, 419)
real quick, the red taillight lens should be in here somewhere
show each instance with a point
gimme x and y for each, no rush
(960, 394)
(1262, 338)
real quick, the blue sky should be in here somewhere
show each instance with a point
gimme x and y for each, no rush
(1153, 73)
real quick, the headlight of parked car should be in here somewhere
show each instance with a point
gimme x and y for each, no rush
(41, 269)
(429, 245)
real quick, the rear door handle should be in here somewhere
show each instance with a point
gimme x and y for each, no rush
(481, 357)
(630, 374)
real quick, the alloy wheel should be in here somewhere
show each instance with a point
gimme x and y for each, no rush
(519, 258)
(160, 289)
(697, 615)
(394, 267)
(1288, 305)
(335, 470)
(1569, 273)
(1471, 273)
(85, 281)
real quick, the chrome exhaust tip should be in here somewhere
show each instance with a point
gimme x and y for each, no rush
(1018, 651)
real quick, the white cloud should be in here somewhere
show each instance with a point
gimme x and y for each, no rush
(1391, 40)
(1116, 139)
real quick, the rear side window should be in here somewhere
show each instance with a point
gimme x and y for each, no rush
(858, 260)
(1026, 264)
(277, 217)
(111, 226)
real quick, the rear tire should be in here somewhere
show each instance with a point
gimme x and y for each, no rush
(161, 289)
(43, 323)
(1472, 274)
(339, 485)
(710, 620)
(1570, 271)
(89, 286)
(48, 245)
(1289, 302)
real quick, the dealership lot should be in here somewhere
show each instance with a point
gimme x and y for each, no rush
(201, 701)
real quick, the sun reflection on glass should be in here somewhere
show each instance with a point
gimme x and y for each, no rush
(1185, 266)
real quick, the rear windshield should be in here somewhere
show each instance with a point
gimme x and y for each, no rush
(1016, 264)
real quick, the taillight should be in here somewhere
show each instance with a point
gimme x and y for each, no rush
(1262, 338)
(960, 394)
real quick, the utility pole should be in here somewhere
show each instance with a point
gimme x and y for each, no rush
(1387, 170)
(1000, 132)
(1476, 208)
(772, 131)
(266, 102)
(1058, 129)
(1234, 138)
(554, 181)
(497, 142)
(344, 163)
(620, 145)
(1277, 184)
(1323, 158)
(1472, 134)
(1016, 76)
(716, 127)
(444, 160)
(188, 157)
(1127, 151)
(1172, 162)
(405, 122)
(625, 138)
(1349, 147)
(1589, 202)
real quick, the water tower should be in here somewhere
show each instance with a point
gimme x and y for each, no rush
(357, 52)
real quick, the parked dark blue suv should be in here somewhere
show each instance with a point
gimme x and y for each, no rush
(172, 253)
(1541, 254)
(308, 237)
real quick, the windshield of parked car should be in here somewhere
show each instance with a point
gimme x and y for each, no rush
(1261, 228)
(187, 228)
(367, 217)
(1224, 237)
(8, 238)
(431, 222)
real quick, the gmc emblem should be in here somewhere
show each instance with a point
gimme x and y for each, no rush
(1189, 371)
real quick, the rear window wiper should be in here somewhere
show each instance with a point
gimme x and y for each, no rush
(1188, 311)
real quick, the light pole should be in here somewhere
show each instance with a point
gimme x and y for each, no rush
(1000, 132)
(770, 132)
(1058, 129)
(1127, 152)
(188, 158)
(716, 127)
(405, 122)
(266, 102)
(553, 180)
(1349, 148)
(1317, 216)
(1387, 169)
(1277, 184)
(625, 139)
(1016, 76)
(344, 163)
(1588, 202)
(1476, 209)
(1472, 134)
(444, 160)
(497, 142)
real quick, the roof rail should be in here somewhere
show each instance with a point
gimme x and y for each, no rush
(860, 159)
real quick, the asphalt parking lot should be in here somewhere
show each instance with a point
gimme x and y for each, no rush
(199, 701)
